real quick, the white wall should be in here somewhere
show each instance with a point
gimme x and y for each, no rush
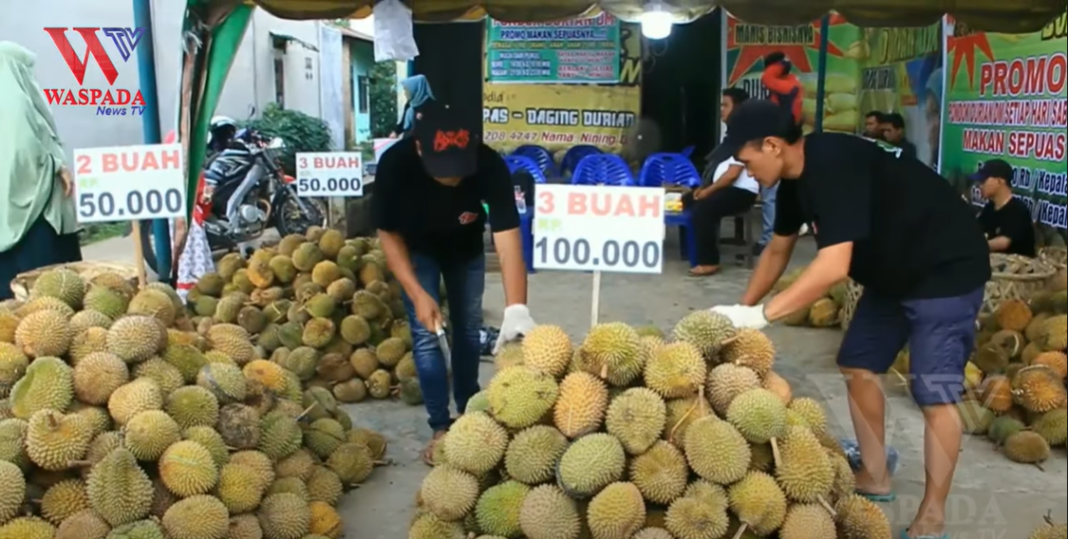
(251, 80)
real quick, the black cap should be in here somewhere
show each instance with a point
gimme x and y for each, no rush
(755, 119)
(994, 168)
(448, 138)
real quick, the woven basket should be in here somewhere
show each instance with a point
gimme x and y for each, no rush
(1015, 277)
(23, 283)
(849, 306)
(1054, 256)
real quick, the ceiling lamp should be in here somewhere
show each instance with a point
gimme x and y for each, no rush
(656, 21)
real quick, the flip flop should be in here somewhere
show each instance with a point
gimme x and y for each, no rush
(878, 498)
(703, 273)
(905, 535)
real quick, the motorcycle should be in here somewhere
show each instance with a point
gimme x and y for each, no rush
(246, 194)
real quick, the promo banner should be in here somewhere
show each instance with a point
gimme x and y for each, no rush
(748, 44)
(901, 71)
(582, 50)
(559, 116)
(1006, 99)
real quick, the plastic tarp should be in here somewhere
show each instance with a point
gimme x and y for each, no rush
(1008, 16)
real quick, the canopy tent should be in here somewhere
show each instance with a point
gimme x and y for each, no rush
(213, 30)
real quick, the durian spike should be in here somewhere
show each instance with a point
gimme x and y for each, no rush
(741, 531)
(775, 451)
(697, 402)
(826, 505)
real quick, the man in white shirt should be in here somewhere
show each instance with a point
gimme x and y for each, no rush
(729, 190)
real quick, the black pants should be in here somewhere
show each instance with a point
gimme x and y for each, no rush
(40, 247)
(707, 214)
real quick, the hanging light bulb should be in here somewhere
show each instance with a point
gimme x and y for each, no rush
(656, 22)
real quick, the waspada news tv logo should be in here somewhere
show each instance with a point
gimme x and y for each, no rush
(108, 101)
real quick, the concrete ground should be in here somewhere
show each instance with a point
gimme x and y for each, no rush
(992, 497)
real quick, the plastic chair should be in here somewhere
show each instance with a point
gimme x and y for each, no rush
(519, 162)
(687, 151)
(674, 169)
(603, 169)
(541, 156)
(669, 169)
(574, 156)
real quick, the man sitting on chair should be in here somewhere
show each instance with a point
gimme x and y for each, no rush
(729, 190)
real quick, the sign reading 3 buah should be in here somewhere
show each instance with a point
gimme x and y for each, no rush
(599, 228)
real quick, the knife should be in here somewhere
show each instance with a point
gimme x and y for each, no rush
(443, 342)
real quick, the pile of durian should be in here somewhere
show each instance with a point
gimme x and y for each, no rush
(629, 436)
(118, 421)
(322, 306)
(826, 312)
(1050, 530)
(1015, 380)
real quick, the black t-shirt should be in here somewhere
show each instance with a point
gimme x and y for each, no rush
(1012, 221)
(913, 236)
(444, 222)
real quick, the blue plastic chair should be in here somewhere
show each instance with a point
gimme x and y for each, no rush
(673, 169)
(519, 162)
(541, 156)
(573, 156)
(603, 169)
(687, 151)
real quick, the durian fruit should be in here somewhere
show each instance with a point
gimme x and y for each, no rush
(520, 396)
(546, 513)
(44, 333)
(1039, 389)
(1049, 530)
(859, 518)
(996, 394)
(823, 314)
(805, 472)
(806, 521)
(1003, 427)
(1013, 315)
(1056, 361)
(1052, 426)
(532, 453)
(1054, 334)
(705, 330)
(750, 348)
(591, 463)
(1026, 447)
(548, 349)
(581, 405)
(716, 451)
(779, 386)
(660, 473)
(675, 370)
(975, 417)
(759, 415)
(617, 511)
(612, 351)
(759, 503)
(636, 417)
(727, 381)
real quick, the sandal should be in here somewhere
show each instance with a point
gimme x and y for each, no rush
(432, 448)
(703, 271)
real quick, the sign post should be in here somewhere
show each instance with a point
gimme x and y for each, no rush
(329, 174)
(131, 183)
(599, 229)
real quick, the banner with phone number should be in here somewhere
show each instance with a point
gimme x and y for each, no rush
(1006, 99)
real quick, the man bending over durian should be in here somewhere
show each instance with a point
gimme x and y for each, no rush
(897, 228)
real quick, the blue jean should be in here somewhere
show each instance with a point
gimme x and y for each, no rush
(767, 198)
(464, 283)
(940, 333)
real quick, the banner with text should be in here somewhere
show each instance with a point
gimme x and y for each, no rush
(582, 50)
(1006, 99)
(748, 44)
(559, 116)
(901, 71)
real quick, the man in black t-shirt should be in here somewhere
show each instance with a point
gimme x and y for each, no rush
(900, 230)
(1005, 219)
(894, 133)
(427, 207)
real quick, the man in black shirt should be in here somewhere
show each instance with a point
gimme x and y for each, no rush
(427, 207)
(897, 228)
(894, 133)
(873, 125)
(1005, 219)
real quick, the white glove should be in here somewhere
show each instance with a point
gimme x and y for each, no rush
(743, 317)
(517, 322)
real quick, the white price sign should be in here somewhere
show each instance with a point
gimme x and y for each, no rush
(129, 183)
(329, 174)
(599, 228)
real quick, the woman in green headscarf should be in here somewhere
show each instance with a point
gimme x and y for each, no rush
(37, 219)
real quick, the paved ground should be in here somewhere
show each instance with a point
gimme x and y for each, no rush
(992, 499)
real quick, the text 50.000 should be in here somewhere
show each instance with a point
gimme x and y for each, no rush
(136, 204)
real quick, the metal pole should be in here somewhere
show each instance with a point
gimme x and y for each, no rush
(821, 81)
(146, 70)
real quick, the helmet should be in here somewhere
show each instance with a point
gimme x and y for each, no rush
(220, 121)
(221, 131)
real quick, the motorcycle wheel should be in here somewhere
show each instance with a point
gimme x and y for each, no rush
(289, 219)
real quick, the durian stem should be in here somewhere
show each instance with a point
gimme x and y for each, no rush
(901, 377)
(1039, 466)
(306, 411)
(53, 421)
(604, 372)
(728, 342)
(741, 531)
(827, 506)
(79, 463)
(696, 403)
(775, 451)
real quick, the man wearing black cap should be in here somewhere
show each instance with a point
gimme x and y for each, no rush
(427, 207)
(1005, 219)
(897, 228)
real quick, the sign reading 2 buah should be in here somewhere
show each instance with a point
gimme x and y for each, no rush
(129, 183)
(109, 101)
(598, 228)
(329, 174)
